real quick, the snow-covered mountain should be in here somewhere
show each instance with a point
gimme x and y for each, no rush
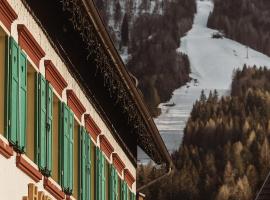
(212, 64)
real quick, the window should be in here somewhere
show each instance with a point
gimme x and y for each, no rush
(119, 188)
(44, 126)
(66, 148)
(76, 159)
(93, 170)
(107, 175)
(30, 126)
(100, 176)
(124, 190)
(113, 183)
(132, 196)
(3, 56)
(55, 139)
(85, 164)
(16, 97)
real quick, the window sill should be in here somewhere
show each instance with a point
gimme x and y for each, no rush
(52, 188)
(5, 149)
(24, 165)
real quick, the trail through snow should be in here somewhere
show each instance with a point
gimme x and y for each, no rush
(212, 64)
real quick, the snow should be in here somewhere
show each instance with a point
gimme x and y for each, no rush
(124, 54)
(212, 64)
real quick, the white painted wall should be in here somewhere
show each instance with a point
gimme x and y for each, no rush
(13, 181)
(25, 18)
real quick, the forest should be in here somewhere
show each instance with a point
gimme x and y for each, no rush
(225, 153)
(245, 21)
(151, 40)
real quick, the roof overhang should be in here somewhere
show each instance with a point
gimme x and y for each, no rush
(157, 150)
(81, 22)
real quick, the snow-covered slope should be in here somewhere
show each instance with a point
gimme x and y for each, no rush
(212, 64)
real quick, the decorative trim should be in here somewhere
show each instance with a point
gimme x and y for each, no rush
(27, 168)
(53, 189)
(54, 77)
(105, 146)
(7, 14)
(128, 177)
(116, 79)
(5, 149)
(30, 45)
(74, 103)
(91, 127)
(118, 163)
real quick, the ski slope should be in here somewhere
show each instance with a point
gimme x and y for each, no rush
(212, 64)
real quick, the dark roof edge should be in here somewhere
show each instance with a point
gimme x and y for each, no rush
(104, 36)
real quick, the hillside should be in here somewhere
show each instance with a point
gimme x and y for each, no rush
(147, 34)
(225, 151)
(245, 21)
(212, 62)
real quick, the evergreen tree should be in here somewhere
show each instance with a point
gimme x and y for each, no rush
(203, 96)
(125, 31)
(117, 12)
(215, 97)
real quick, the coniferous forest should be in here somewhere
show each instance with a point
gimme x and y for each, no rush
(245, 21)
(151, 40)
(225, 153)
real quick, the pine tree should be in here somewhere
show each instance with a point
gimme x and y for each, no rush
(125, 31)
(117, 12)
(215, 97)
(229, 174)
(203, 96)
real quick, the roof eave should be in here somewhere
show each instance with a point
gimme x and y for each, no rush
(104, 36)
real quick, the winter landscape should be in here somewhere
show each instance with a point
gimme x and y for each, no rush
(212, 64)
(215, 117)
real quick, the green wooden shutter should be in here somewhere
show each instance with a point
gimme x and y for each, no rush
(22, 101)
(71, 148)
(37, 118)
(130, 195)
(112, 188)
(116, 186)
(64, 147)
(103, 177)
(88, 166)
(7, 83)
(41, 122)
(17, 97)
(43, 127)
(124, 190)
(14, 93)
(49, 128)
(113, 183)
(61, 143)
(99, 174)
(82, 156)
